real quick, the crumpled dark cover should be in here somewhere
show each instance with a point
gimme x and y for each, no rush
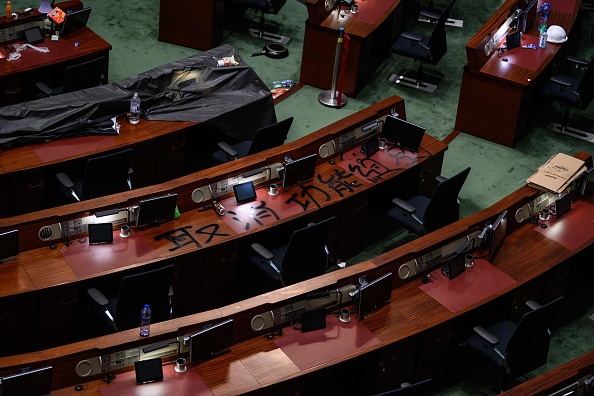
(192, 89)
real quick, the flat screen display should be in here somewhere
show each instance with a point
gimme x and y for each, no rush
(149, 370)
(34, 382)
(100, 233)
(528, 16)
(9, 244)
(244, 192)
(456, 265)
(75, 21)
(371, 146)
(374, 294)
(403, 133)
(497, 233)
(513, 40)
(563, 205)
(313, 320)
(299, 170)
(211, 340)
(587, 182)
(156, 210)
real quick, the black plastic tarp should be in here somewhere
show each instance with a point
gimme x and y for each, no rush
(231, 98)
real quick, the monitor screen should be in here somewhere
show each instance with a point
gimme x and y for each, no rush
(513, 40)
(403, 133)
(244, 192)
(9, 244)
(563, 205)
(100, 233)
(75, 21)
(299, 170)
(313, 320)
(149, 370)
(374, 294)
(156, 210)
(456, 265)
(211, 340)
(34, 382)
(497, 233)
(527, 15)
(370, 146)
(587, 181)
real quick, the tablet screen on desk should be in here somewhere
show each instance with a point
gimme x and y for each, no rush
(33, 35)
(150, 370)
(100, 233)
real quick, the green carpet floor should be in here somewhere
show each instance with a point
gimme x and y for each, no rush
(132, 29)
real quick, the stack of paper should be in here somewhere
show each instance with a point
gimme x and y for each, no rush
(557, 173)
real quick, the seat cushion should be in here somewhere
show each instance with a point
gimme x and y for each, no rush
(408, 48)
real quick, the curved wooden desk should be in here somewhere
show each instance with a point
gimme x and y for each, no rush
(414, 331)
(496, 97)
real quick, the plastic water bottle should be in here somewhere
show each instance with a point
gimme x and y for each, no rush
(542, 42)
(145, 321)
(545, 10)
(283, 84)
(135, 109)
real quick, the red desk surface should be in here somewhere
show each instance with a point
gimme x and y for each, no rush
(476, 283)
(371, 10)
(174, 383)
(529, 58)
(380, 165)
(317, 347)
(62, 148)
(266, 209)
(574, 228)
(86, 259)
(31, 58)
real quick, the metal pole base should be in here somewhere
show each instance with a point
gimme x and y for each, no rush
(325, 98)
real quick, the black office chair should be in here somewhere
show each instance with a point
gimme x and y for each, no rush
(574, 92)
(84, 75)
(304, 257)
(509, 350)
(422, 215)
(150, 287)
(422, 48)
(104, 175)
(432, 9)
(265, 7)
(266, 137)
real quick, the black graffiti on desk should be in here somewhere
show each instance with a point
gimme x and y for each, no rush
(258, 214)
(341, 182)
(306, 196)
(184, 238)
(402, 158)
(373, 170)
(212, 231)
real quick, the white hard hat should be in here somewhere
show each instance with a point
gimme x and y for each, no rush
(556, 34)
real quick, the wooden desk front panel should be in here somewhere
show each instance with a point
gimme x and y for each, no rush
(194, 24)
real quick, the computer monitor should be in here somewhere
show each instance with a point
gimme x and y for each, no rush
(75, 20)
(299, 170)
(374, 294)
(211, 340)
(244, 192)
(587, 182)
(497, 233)
(403, 133)
(34, 382)
(513, 40)
(149, 370)
(563, 205)
(156, 210)
(9, 244)
(313, 320)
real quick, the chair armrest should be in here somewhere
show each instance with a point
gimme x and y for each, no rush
(440, 179)
(403, 205)
(230, 151)
(65, 180)
(98, 297)
(578, 61)
(43, 87)
(486, 336)
(561, 80)
(430, 15)
(533, 305)
(412, 36)
(262, 251)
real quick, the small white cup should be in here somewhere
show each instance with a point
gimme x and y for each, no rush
(345, 315)
(180, 365)
(125, 231)
(468, 260)
(273, 190)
